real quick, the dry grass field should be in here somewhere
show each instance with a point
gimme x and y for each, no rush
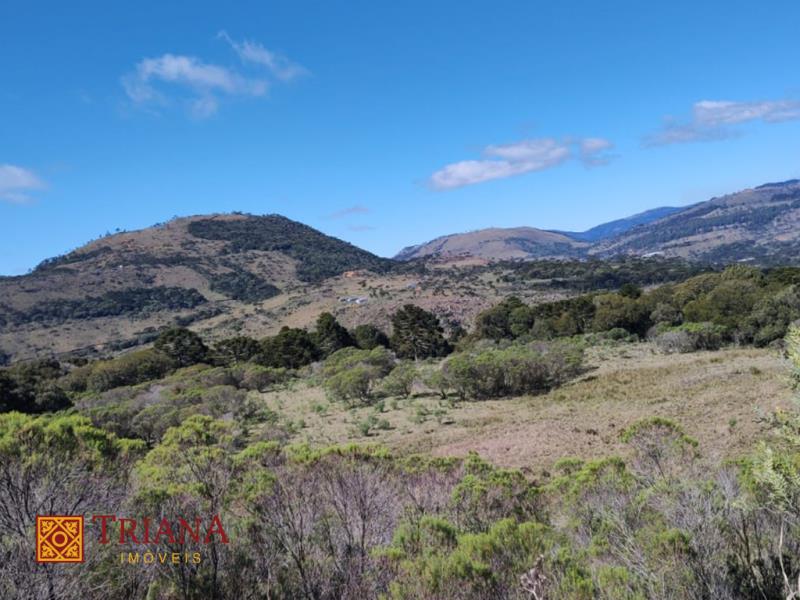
(717, 397)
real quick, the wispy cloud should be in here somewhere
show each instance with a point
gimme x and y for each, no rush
(17, 183)
(711, 120)
(252, 52)
(201, 85)
(356, 209)
(527, 156)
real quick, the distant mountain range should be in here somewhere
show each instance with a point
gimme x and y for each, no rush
(760, 225)
(620, 226)
(238, 272)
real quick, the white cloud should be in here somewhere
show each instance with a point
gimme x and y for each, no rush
(711, 120)
(199, 85)
(252, 52)
(16, 184)
(203, 82)
(594, 151)
(526, 156)
(716, 112)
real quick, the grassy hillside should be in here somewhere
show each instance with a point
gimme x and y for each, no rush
(759, 225)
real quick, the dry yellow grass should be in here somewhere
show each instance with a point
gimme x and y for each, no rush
(716, 396)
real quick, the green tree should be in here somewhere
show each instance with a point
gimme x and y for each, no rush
(497, 323)
(369, 336)
(236, 349)
(183, 346)
(291, 349)
(32, 387)
(417, 334)
(330, 335)
(615, 310)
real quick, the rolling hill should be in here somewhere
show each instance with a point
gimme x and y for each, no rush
(620, 226)
(230, 273)
(121, 288)
(760, 225)
(498, 244)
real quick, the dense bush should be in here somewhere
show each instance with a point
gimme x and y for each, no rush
(129, 369)
(32, 388)
(513, 371)
(235, 350)
(508, 320)
(597, 274)
(690, 337)
(352, 374)
(750, 305)
(400, 381)
(356, 522)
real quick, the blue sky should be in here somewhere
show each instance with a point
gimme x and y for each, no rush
(384, 123)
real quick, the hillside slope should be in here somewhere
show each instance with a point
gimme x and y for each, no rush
(127, 285)
(760, 224)
(498, 244)
(620, 226)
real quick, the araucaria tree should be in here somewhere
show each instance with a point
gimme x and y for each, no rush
(417, 334)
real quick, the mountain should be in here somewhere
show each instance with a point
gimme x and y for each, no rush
(128, 285)
(527, 242)
(243, 274)
(620, 226)
(760, 224)
(498, 244)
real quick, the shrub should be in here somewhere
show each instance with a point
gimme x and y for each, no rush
(350, 374)
(256, 377)
(512, 371)
(400, 381)
(671, 342)
(354, 384)
(618, 311)
(129, 369)
(690, 337)
(437, 380)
